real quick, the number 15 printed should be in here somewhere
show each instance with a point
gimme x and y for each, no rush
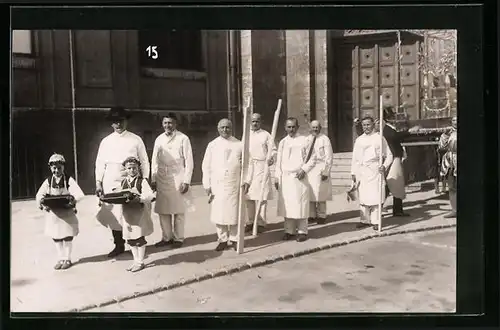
(152, 52)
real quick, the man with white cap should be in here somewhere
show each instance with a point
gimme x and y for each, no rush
(319, 176)
(260, 142)
(109, 170)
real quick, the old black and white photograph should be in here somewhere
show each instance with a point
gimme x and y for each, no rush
(178, 170)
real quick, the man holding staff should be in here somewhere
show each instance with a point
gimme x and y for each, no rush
(365, 171)
(319, 177)
(221, 167)
(260, 142)
(294, 160)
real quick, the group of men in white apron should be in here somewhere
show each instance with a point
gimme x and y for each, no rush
(302, 166)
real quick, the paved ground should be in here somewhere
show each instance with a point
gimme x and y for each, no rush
(95, 279)
(403, 273)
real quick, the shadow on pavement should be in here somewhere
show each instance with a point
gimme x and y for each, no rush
(22, 282)
(197, 256)
(104, 257)
(417, 214)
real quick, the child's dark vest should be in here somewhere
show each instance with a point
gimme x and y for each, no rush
(61, 183)
(137, 183)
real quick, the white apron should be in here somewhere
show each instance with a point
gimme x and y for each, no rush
(109, 215)
(293, 201)
(258, 180)
(396, 179)
(136, 219)
(61, 223)
(169, 178)
(321, 191)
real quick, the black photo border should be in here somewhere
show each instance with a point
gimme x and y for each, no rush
(477, 229)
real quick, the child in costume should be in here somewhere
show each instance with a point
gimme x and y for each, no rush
(61, 223)
(136, 217)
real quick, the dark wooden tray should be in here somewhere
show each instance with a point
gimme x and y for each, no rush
(119, 197)
(59, 201)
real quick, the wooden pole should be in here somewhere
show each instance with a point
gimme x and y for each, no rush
(73, 101)
(381, 177)
(244, 167)
(266, 176)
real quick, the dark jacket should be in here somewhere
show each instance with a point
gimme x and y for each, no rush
(393, 139)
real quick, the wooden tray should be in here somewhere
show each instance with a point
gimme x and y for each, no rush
(57, 202)
(119, 197)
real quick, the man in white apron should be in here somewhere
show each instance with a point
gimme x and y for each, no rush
(366, 172)
(319, 177)
(395, 178)
(448, 142)
(171, 171)
(221, 169)
(295, 160)
(109, 171)
(260, 142)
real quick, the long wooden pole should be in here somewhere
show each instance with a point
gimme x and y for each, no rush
(266, 176)
(381, 177)
(244, 167)
(73, 100)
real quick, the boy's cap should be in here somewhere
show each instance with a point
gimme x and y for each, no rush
(56, 158)
(131, 160)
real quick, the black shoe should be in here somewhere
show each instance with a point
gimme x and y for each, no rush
(311, 219)
(116, 251)
(362, 225)
(233, 245)
(301, 238)
(452, 214)
(176, 244)
(288, 237)
(400, 214)
(248, 228)
(221, 247)
(163, 243)
(321, 221)
(375, 227)
(261, 229)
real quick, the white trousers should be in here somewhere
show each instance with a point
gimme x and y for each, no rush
(317, 210)
(227, 233)
(369, 214)
(294, 226)
(251, 208)
(172, 227)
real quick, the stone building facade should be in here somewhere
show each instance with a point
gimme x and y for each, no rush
(202, 76)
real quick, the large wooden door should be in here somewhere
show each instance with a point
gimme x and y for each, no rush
(365, 68)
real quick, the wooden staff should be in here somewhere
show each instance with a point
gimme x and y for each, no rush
(380, 161)
(244, 166)
(73, 99)
(266, 166)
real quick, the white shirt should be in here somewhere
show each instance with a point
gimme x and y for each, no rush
(173, 150)
(292, 152)
(367, 152)
(115, 148)
(260, 140)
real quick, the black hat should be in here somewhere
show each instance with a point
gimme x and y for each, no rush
(117, 113)
(388, 113)
(133, 160)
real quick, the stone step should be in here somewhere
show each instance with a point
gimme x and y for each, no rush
(342, 155)
(341, 175)
(343, 182)
(336, 167)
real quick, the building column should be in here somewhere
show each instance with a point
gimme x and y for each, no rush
(298, 77)
(320, 84)
(246, 67)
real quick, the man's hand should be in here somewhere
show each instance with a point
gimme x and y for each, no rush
(324, 177)
(153, 186)
(245, 186)
(98, 189)
(382, 169)
(301, 174)
(208, 191)
(184, 188)
(72, 201)
(270, 162)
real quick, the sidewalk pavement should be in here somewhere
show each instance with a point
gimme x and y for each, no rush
(96, 281)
